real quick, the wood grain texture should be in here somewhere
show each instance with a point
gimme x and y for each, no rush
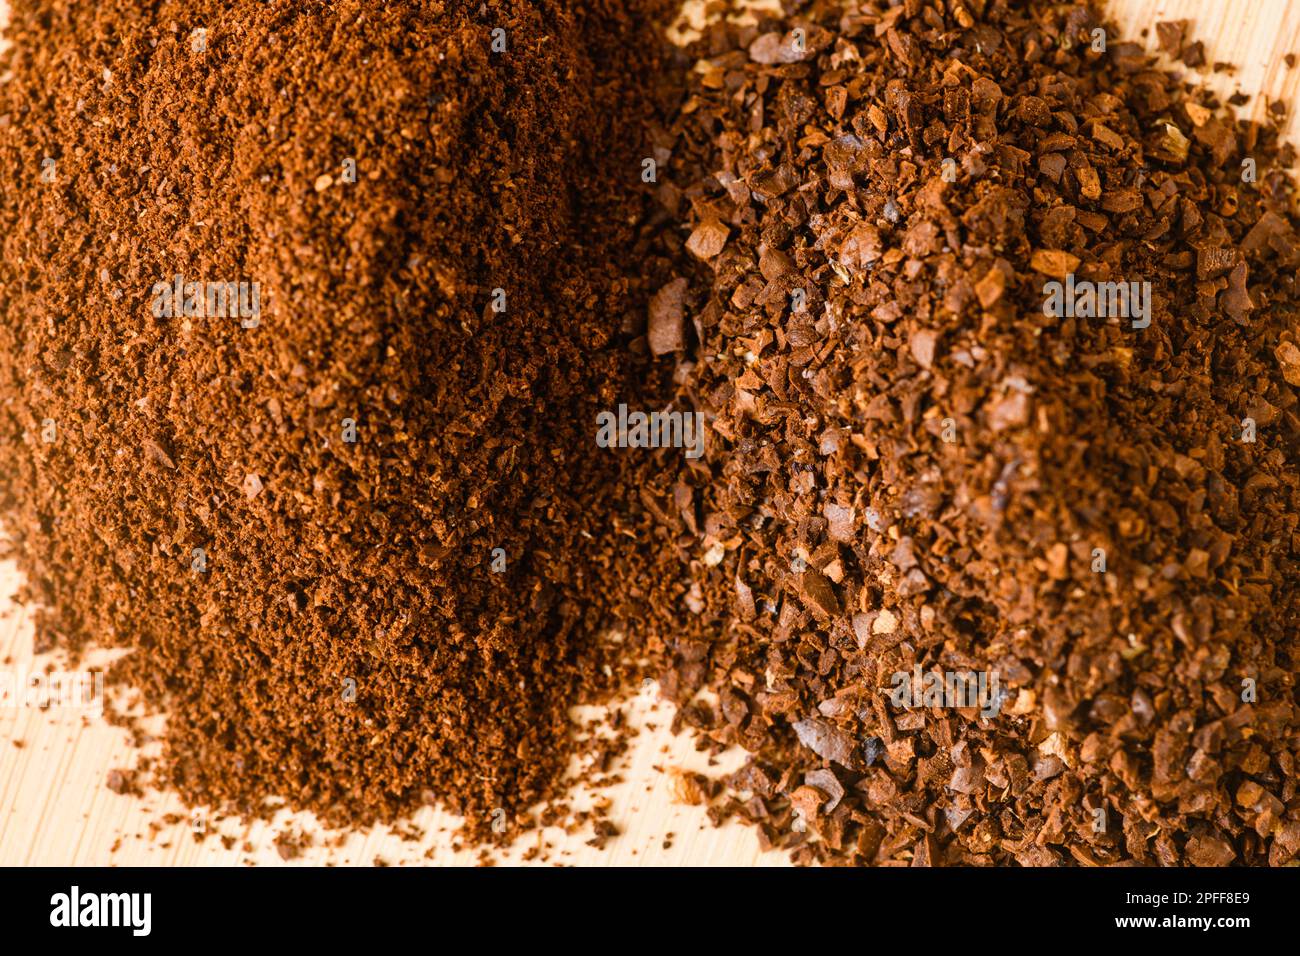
(55, 808)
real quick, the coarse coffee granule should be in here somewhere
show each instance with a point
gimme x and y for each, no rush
(308, 310)
(995, 557)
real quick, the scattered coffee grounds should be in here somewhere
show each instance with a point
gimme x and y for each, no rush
(995, 554)
(1170, 35)
(290, 843)
(309, 309)
(1193, 55)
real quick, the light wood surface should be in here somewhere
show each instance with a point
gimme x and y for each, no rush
(55, 807)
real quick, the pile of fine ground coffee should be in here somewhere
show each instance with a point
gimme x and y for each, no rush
(991, 561)
(308, 309)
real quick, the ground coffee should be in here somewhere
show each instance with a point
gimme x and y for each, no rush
(309, 309)
(995, 557)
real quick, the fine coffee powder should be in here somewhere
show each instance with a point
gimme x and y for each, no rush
(996, 555)
(349, 518)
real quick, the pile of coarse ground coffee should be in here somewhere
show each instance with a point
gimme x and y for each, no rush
(309, 308)
(992, 560)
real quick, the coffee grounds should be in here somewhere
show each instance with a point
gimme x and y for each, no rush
(910, 464)
(917, 466)
(355, 533)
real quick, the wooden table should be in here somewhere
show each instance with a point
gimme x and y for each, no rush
(55, 807)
